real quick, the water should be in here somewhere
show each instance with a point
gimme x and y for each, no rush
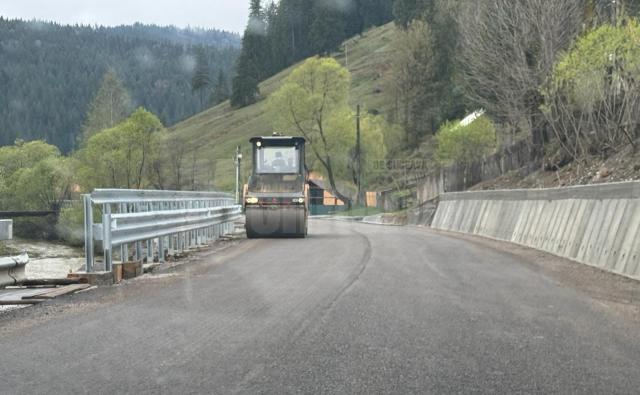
(48, 260)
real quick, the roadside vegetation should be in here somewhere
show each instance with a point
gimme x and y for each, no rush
(465, 143)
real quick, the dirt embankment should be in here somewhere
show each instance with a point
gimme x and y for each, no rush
(623, 166)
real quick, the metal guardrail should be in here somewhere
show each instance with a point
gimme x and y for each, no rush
(13, 262)
(172, 219)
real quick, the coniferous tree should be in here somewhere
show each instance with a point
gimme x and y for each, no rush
(406, 11)
(249, 70)
(439, 16)
(111, 105)
(201, 79)
(220, 91)
(328, 28)
(374, 12)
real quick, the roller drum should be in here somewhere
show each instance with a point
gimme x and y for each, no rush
(272, 222)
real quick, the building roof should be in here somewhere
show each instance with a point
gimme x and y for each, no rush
(319, 183)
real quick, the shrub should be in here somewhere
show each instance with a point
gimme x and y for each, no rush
(465, 144)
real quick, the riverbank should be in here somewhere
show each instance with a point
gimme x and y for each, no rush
(47, 259)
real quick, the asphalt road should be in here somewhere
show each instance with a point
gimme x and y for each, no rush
(352, 309)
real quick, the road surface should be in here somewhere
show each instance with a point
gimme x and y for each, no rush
(352, 309)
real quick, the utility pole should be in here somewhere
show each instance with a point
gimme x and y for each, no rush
(358, 156)
(238, 161)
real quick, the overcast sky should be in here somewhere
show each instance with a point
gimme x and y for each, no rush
(221, 14)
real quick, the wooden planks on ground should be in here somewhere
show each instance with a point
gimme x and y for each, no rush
(55, 292)
(15, 302)
(52, 282)
(21, 293)
(26, 296)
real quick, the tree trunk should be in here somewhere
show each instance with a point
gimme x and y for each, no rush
(332, 183)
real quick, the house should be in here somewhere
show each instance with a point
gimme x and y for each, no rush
(321, 200)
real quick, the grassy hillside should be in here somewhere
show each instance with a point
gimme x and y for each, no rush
(216, 132)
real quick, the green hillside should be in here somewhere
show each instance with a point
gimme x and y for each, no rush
(216, 132)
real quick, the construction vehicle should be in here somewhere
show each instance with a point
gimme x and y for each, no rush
(276, 195)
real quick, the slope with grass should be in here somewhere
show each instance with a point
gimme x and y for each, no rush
(215, 133)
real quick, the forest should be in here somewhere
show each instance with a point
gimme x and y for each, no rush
(49, 73)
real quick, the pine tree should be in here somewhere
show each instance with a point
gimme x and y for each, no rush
(406, 11)
(201, 78)
(250, 68)
(255, 8)
(109, 107)
(328, 28)
(220, 91)
(374, 12)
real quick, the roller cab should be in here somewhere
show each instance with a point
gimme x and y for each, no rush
(276, 197)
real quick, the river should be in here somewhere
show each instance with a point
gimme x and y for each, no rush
(47, 259)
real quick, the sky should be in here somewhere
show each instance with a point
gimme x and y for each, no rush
(230, 15)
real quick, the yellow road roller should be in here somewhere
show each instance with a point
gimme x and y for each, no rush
(276, 195)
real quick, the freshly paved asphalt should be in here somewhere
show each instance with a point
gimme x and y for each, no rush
(352, 309)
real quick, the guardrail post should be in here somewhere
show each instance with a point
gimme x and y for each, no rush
(88, 232)
(136, 209)
(106, 239)
(124, 248)
(149, 241)
(161, 249)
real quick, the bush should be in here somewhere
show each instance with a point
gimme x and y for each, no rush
(465, 144)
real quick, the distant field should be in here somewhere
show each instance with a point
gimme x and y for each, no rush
(217, 131)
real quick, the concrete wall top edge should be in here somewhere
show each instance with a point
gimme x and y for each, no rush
(618, 190)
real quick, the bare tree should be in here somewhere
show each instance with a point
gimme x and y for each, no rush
(610, 11)
(508, 49)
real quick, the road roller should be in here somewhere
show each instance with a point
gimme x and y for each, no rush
(276, 195)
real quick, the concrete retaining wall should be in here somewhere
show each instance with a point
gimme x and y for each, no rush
(423, 214)
(598, 225)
